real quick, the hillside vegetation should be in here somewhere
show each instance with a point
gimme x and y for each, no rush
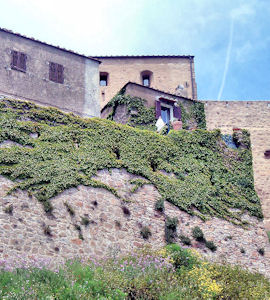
(53, 151)
(143, 274)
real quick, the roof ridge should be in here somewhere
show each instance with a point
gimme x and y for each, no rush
(57, 47)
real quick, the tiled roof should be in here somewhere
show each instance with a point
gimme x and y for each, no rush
(145, 56)
(57, 47)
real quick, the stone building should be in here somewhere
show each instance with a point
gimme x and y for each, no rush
(173, 74)
(49, 75)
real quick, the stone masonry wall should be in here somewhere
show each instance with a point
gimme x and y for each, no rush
(254, 116)
(168, 74)
(111, 229)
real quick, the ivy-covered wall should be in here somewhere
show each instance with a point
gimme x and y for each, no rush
(194, 171)
(135, 111)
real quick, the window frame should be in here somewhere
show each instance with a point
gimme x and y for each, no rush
(56, 72)
(103, 74)
(149, 74)
(18, 64)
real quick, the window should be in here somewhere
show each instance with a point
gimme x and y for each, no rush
(103, 79)
(18, 61)
(56, 73)
(146, 77)
(167, 110)
(146, 80)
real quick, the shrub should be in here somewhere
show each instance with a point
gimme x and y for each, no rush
(268, 234)
(242, 250)
(181, 257)
(170, 229)
(85, 221)
(185, 240)
(146, 232)
(198, 234)
(69, 209)
(81, 236)
(211, 245)
(8, 209)
(159, 205)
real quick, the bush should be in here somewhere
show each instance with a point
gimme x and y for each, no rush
(181, 257)
(146, 232)
(185, 240)
(268, 234)
(159, 205)
(198, 234)
(170, 229)
(211, 245)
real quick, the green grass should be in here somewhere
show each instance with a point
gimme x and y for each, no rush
(140, 275)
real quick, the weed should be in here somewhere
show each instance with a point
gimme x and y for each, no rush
(185, 240)
(47, 230)
(145, 232)
(211, 245)
(170, 229)
(69, 209)
(198, 234)
(9, 209)
(85, 221)
(159, 205)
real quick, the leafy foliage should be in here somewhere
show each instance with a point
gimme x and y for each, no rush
(209, 178)
(168, 273)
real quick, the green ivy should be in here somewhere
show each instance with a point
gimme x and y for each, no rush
(143, 118)
(209, 178)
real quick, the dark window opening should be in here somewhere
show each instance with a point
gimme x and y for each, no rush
(56, 73)
(146, 77)
(18, 61)
(165, 114)
(146, 80)
(103, 79)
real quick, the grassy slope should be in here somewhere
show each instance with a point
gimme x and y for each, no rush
(209, 178)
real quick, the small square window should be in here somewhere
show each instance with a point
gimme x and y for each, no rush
(146, 80)
(56, 72)
(103, 80)
(18, 61)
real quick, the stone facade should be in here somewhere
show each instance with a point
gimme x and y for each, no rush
(79, 92)
(28, 232)
(253, 116)
(167, 73)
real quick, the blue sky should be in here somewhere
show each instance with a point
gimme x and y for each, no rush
(230, 39)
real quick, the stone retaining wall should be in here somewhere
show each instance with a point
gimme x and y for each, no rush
(113, 228)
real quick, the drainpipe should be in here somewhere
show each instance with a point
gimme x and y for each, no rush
(192, 84)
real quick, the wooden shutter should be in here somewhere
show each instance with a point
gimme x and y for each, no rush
(177, 112)
(22, 62)
(60, 74)
(52, 72)
(14, 62)
(158, 109)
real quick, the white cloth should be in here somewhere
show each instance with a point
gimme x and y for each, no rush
(160, 124)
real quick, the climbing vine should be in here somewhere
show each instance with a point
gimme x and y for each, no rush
(54, 151)
(140, 116)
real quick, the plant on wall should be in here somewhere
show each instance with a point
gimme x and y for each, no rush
(209, 179)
